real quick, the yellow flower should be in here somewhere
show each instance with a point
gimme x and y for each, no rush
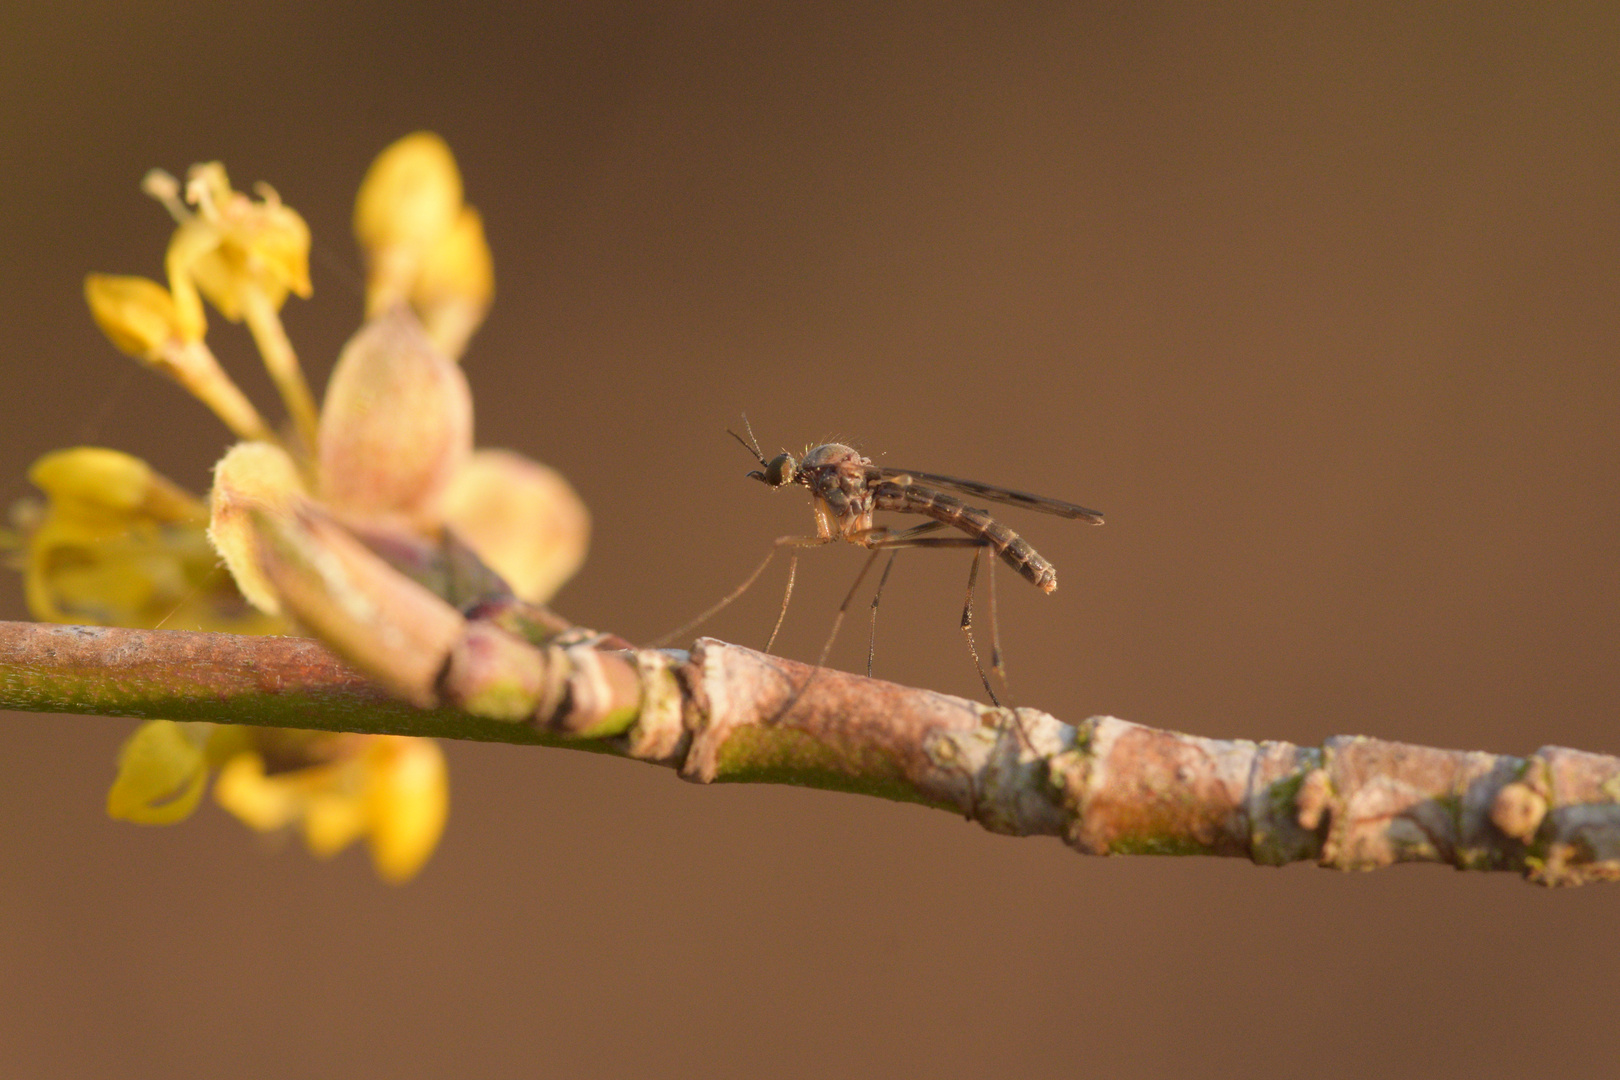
(423, 246)
(235, 251)
(245, 257)
(140, 318)
(456, 285)
(371, 497)
(522, 518)
(396, 424)
(409, 197)
(252, 476)
(396, 470)
(117, 544)
(392, 790)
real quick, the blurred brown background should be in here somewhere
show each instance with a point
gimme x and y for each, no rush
(1317, 303)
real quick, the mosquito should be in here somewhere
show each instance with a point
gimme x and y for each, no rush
(847, 489)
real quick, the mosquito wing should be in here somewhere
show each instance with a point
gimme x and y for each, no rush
(991, 493)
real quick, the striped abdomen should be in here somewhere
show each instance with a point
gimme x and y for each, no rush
(1013, 549)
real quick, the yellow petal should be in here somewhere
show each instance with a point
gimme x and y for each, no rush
(410, 196)
(396, 424)
(390, 789)
(522, 518)
(165, 331)
(259, 802)
(189, 245)
(161, 773)
(228, 740)
(408, 800)
(333, 819)
(137, 314)
(280, 243)
(93, 478)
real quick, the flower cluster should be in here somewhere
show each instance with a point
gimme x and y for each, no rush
(382, 474)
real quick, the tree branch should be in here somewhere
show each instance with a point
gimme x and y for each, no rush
(726, 713)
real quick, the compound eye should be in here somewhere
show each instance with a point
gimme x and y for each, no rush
(780, 470)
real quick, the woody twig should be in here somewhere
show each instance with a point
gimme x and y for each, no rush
(723, 713)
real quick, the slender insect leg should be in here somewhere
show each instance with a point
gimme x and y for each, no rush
(880, 538)
(871, 639)
(794, 542)
(711, 612)
(997, 663)
(980, 545)
(903, 540)
(838, 620)
(876, 540)
(995, 643)
(967, 625)
(787, 594)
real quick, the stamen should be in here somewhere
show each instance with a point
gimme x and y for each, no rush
(163, 187)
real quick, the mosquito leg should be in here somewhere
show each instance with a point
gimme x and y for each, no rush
(894, 541)
(910, 538)
(876, 540)
(871, 640)
(781, 542)
(794, 542)
(838, 620)
(997, 663)
(995, 645)
(787, 594)
(693, 624)
(967, 627)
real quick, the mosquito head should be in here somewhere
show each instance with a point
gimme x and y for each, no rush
(780, 470)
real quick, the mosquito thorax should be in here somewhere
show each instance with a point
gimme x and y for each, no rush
(780, 470)
(832, 454)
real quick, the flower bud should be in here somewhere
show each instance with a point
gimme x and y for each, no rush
(409, 201)
(137, 314)
(234, 250)
(410, 196)
(396, 424)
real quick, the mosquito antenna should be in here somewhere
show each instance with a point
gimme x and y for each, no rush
(751, 449)
(755, 442)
